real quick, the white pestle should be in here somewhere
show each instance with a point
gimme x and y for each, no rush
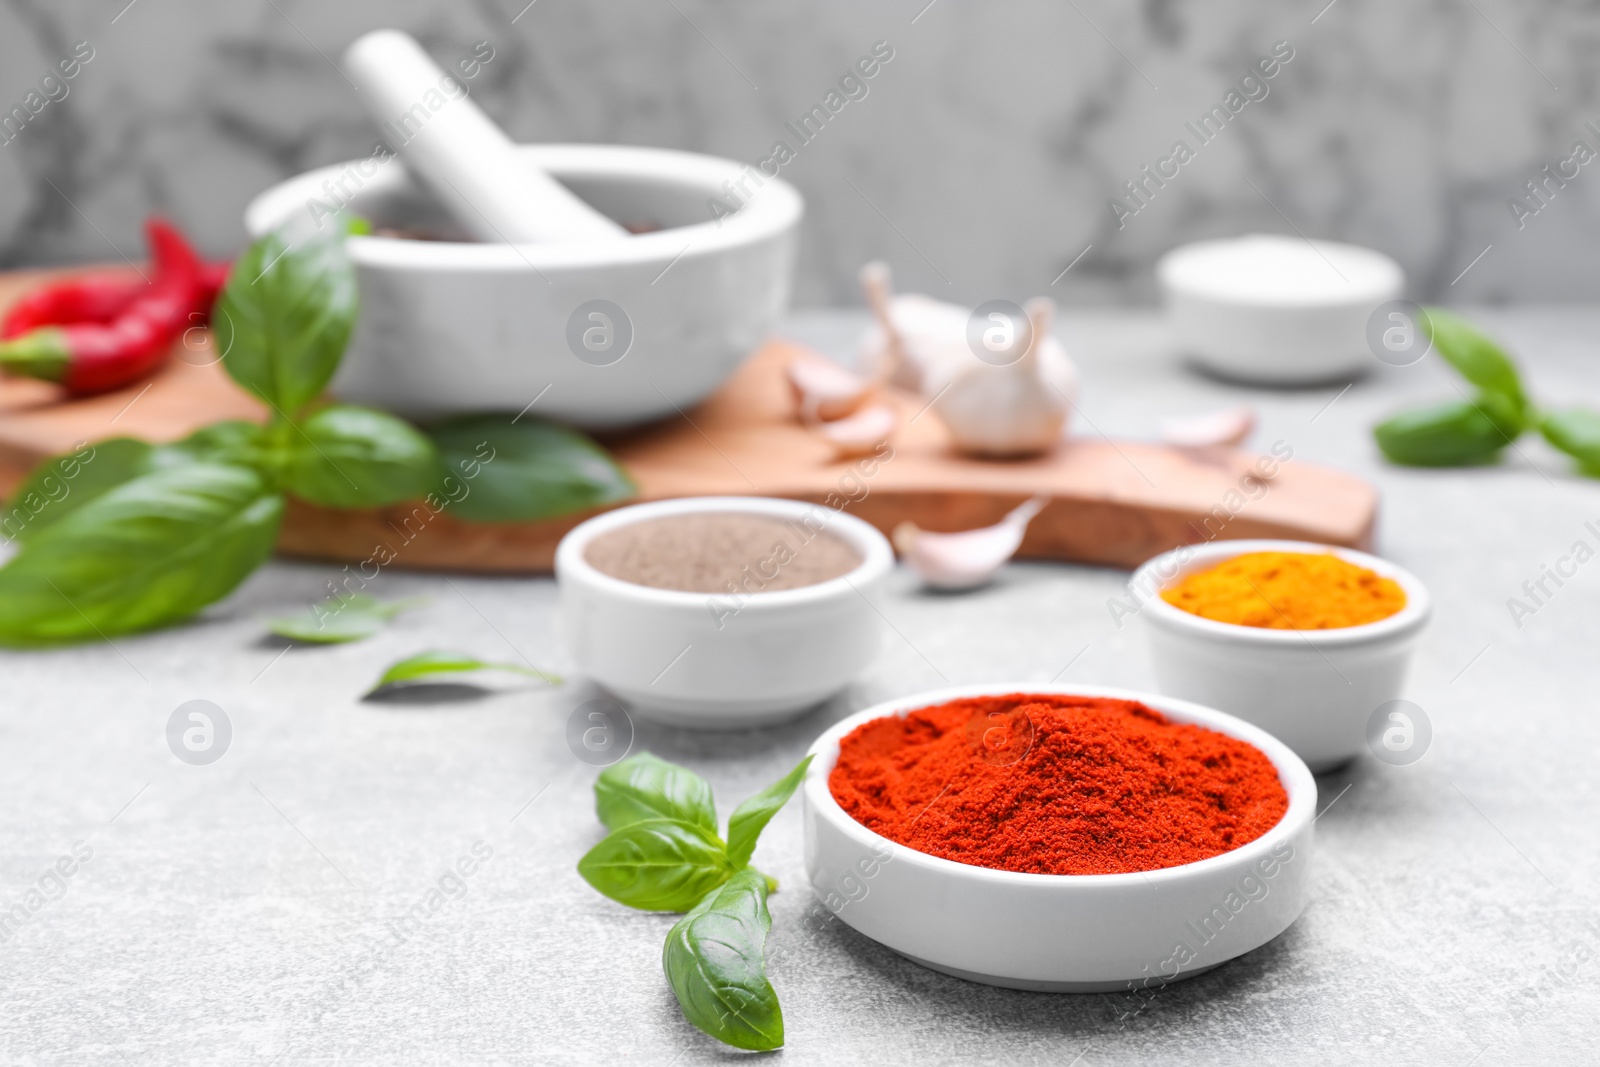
(469, 163)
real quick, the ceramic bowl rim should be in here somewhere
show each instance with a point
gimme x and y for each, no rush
(1174, 262)
(775, 207)
(1296, 777)
(1148, 585)
(877, 556)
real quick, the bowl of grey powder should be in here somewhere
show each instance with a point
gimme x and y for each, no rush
(722, 611)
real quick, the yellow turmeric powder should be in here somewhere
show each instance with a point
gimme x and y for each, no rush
(1288, 591)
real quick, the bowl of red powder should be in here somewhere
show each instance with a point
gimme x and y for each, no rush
(1075, 839)
(1307, 641)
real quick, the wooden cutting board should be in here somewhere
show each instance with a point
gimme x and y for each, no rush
(1113, 502)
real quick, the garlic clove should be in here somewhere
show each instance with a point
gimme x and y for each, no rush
(968, 559)
(859, 434)
(1229, 427)
(823, 390)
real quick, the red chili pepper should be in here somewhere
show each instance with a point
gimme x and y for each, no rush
(86, 298)
(95, 298)
(97, 356)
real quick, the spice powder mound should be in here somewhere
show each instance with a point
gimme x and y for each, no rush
(1288, 591)
(1052, 784)
(732, 552)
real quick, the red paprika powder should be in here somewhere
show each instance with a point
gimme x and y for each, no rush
(1052, 784)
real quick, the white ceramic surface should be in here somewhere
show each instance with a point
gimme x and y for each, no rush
(718, 661)
(1312, 689)
(1276, 310)
(1070, 933)
(454, 326)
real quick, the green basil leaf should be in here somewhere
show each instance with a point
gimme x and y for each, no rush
(1454, 434)
(284, 317)
(521, 468)
(149, 552)
(715, 963)
(1478, 359)
(657, 865)
(351, 457)
(1575, 431)
(232, 441)
(643, 787)
(751, 817)
(341, 618)
(61, 485)
(427, 666)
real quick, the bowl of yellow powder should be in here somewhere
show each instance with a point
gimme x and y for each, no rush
(1306, 641)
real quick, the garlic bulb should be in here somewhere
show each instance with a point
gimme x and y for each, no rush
(1014, 409)
(915, 337)
(859, 434)
(968, 559)
(825, 391)
(1229, 427)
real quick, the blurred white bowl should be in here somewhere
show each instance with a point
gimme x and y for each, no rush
(1061, 932)
(1312, 689)
(1277, 310)
(455, 326)
(705, 659)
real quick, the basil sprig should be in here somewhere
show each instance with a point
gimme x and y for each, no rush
(663, 854)
(1476, 429)
(163, 530)
(122, 535)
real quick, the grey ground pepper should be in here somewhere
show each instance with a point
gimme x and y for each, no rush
(721, 552)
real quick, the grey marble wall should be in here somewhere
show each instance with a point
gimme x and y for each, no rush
(981, 161)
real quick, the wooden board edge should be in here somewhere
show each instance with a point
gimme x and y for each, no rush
(414, 537)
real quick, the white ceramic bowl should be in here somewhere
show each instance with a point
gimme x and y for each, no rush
(1312, 689)
(450, 327)
(1277, 310)
(1065, 933)
(707, 660)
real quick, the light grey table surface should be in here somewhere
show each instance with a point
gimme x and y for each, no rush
(240, 912)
